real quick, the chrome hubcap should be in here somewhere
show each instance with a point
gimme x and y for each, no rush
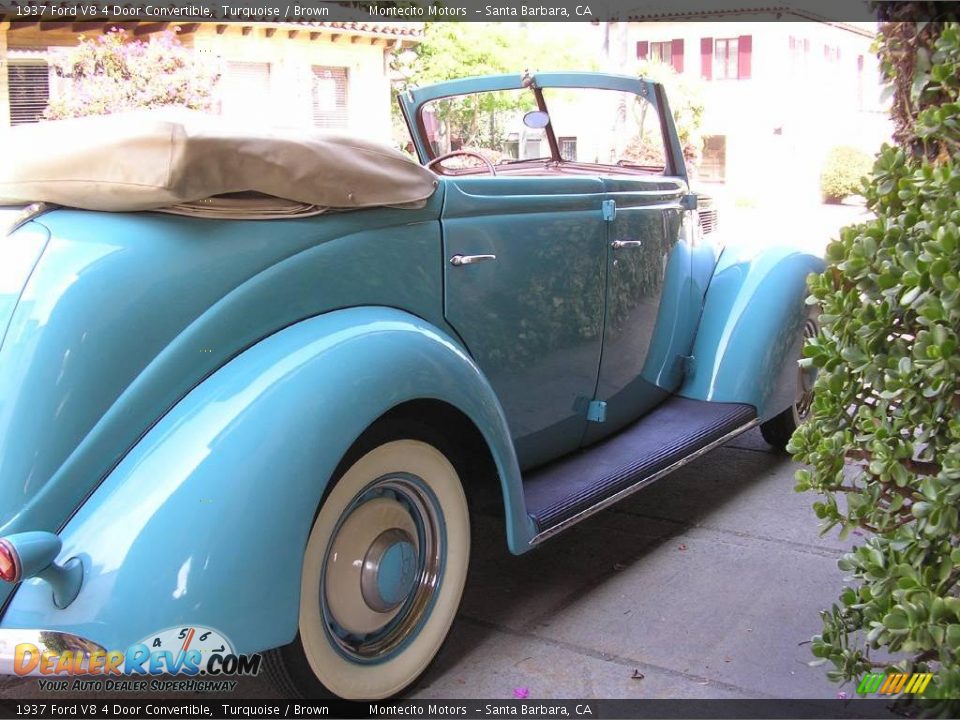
(389, 570)
(382, 568)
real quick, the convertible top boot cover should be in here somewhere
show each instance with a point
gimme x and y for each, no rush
(150, 160)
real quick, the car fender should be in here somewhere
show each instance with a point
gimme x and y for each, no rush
(750, 332)
(205, 521)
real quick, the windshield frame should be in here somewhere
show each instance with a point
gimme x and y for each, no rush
(413, 101)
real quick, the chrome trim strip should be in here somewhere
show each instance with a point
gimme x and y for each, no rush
(52, 640)
(608, 501)
(28, 213)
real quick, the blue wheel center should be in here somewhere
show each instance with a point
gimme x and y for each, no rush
(397, 573)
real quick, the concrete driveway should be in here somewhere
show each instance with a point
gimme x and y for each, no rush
(705, 585)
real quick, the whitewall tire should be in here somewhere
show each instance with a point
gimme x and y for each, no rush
(383, 573)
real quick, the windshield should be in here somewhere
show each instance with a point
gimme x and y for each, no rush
(590, 125)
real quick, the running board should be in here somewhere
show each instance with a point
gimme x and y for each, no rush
(565, 492)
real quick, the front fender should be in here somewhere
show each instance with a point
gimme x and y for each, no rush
(750, 332)
(205, 520)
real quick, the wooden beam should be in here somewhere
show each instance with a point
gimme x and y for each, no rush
(47, 26)
(21, 24)
(147, 28)
(189, 28)
(315, 35)
(269, 32)
(221, 29)
(335, 37)
(82, 27)
(246, 30)
(292, 34)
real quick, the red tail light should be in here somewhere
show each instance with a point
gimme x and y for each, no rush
(9, 563)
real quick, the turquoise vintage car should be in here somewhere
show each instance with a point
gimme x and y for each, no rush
(271, 414)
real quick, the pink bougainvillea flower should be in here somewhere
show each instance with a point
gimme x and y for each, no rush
(521, 693)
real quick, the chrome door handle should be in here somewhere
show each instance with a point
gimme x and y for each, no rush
(617, 244)
(458, 260)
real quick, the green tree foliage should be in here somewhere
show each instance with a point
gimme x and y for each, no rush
(843, 173)
(112, 73)
(451, 50)
(883, 445)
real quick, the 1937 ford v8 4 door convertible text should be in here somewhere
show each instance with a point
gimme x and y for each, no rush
(264, 413)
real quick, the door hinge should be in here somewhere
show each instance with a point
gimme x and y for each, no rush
(687, 364)
(609, 208)
(689, 202)
(597, 411)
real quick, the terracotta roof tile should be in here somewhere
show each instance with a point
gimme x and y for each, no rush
(410, 29)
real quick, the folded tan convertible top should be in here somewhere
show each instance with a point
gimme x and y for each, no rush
(177, 160)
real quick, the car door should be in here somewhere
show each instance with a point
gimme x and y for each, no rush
(651, 314)
(529, 307)
(530, 303)
(650, 310)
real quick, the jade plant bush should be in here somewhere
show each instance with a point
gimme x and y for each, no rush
(843, 173)
(883, 444)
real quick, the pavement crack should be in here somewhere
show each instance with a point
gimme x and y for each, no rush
(793, 544)
(615, 659)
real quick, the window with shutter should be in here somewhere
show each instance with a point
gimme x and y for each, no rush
(744, 56)
(725, 58)
(860, 104)
(731, 57)
(706, 58)
(568, 148)
(662, 51)
(713, 166)
(245, 90)
(29, 87)
(677, 55)
(330, 97)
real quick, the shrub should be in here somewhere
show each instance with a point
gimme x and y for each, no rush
(883, 445)
(112, 73)
(843, 173)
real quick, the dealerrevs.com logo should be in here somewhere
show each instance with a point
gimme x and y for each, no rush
(188, 651)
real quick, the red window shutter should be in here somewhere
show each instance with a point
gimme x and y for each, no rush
(643, 49)
(676, 55)
(706, 58)
(745, 46)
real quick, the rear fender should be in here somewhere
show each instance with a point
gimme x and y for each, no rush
(750, 332)
(205, 521)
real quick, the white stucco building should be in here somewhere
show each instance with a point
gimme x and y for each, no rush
(779, 92)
